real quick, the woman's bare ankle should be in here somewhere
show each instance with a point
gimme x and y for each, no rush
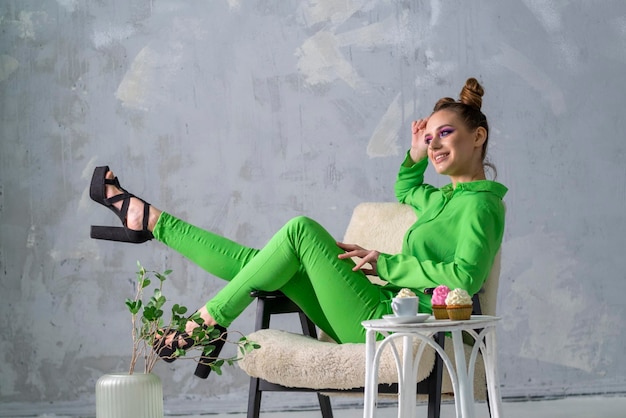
(153, 218)
(134, 217)
(206, 317)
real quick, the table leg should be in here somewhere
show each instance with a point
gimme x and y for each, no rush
(370, 380)
(491, 370)
(466, 395)
(407, 384)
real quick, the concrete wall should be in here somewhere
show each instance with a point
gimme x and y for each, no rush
(237, 115)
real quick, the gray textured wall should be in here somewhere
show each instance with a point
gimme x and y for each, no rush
(238, 115)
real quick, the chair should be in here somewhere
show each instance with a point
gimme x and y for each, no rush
(307, 363)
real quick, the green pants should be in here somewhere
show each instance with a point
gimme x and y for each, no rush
(301, 260)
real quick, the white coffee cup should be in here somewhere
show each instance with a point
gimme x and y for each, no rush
(406, 306)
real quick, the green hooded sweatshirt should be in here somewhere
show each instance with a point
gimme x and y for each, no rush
(455, 239)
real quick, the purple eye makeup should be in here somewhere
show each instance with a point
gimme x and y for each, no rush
(442, 133)
(445, 132)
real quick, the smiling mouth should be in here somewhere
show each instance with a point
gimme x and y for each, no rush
(440, 157)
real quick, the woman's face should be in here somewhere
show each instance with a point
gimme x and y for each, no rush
(453, 149)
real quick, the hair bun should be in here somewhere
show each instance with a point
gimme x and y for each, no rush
(472, 93)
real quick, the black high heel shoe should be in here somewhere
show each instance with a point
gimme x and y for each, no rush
(167, 353)
(97, 192)
(204, 365)
(203, 369)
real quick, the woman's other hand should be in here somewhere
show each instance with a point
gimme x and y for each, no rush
(366, 257)
(419, 147)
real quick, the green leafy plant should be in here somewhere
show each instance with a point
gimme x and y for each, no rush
(149, 326)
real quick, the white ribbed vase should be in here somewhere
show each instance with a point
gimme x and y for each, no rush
(122, 395)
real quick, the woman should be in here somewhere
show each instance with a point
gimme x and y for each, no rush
(454, 241)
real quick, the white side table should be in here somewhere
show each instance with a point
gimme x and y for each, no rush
(461, 376)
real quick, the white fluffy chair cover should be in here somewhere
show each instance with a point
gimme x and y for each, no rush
(295, 360)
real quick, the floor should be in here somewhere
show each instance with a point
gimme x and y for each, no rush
(576, 407)
(572, 407)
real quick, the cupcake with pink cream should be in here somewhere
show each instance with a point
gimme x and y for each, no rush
(438, 302)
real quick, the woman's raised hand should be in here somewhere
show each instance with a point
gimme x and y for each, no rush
(366, 257)
(419, 147)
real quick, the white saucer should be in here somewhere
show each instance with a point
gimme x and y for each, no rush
(406, 319)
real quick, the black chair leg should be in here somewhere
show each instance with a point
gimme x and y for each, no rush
(325, 407)
(254, 398)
